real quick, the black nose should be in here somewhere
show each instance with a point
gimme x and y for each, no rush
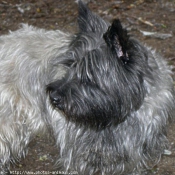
(56, 100)
(54, 97)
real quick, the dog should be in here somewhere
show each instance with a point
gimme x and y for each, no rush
(28, 59)
(104, 96)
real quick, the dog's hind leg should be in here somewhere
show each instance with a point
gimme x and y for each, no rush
(19, 123)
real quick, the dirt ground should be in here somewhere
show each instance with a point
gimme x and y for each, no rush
(136, 16)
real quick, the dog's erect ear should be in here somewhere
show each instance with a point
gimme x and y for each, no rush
(88, 21)
(117, 38)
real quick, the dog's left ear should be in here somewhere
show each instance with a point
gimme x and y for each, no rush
(117, 39)
(88, 21)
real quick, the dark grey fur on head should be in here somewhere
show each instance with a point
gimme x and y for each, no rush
(104, 83)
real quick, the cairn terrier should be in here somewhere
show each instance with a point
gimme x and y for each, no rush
(106, 97)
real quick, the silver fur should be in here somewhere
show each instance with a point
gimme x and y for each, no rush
(29, 61)
(80, 148)
(26, 67)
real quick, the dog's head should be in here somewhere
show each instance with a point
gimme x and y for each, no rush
(105, 78)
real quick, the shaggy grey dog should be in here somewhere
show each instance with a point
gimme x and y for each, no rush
(28, 62)
(108, 97)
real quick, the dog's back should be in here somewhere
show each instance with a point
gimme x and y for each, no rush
(26, 67)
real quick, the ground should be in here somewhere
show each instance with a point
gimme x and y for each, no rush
(136, 16)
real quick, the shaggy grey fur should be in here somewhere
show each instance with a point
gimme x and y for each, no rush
(111, 97)
(26, 67)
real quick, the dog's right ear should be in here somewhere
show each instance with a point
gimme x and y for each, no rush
(88, 21)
